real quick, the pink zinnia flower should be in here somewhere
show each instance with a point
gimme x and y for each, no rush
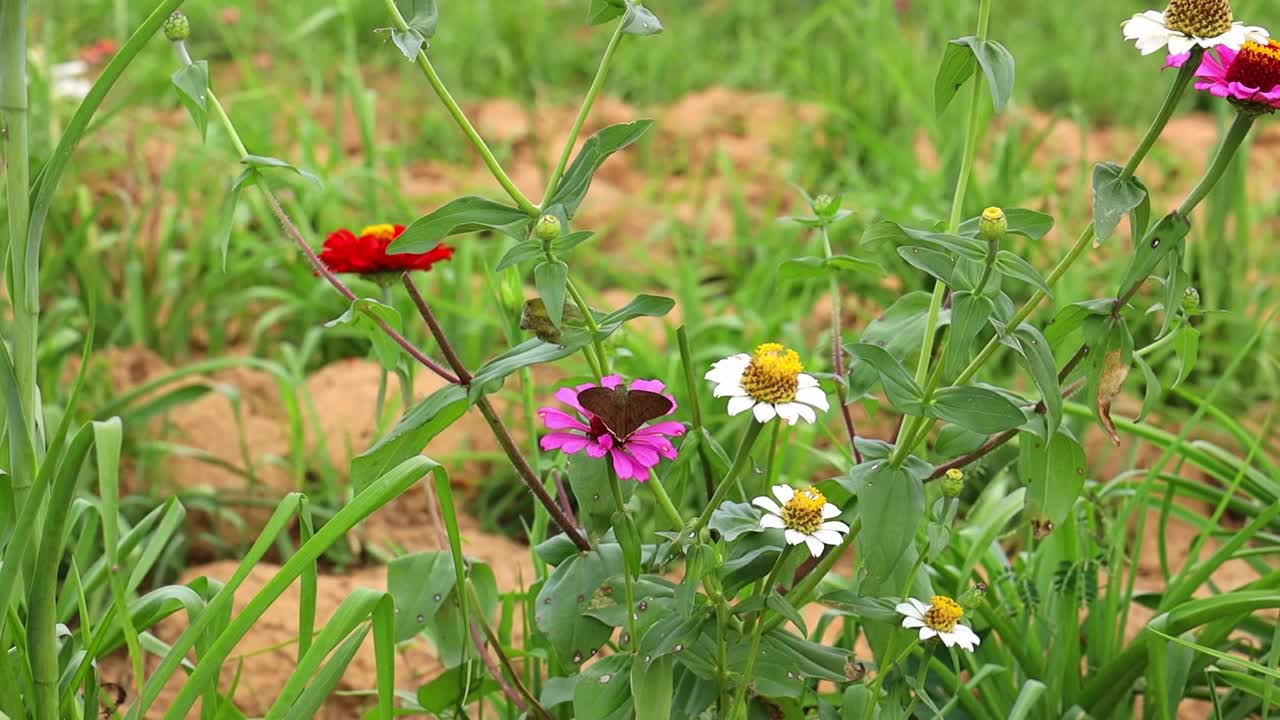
(633, 456)
(1248, 77)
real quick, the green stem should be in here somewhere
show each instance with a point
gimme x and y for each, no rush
(740, 463)
(601, 359)
(921, 676)
(757, 633)
(463, 123)
(802, 593)
(695, 407)
(972, 131)
(597, 84)
(664, 501)
(24, 253)
(1171, 100)
(837, 349)
(615, 486)
(1221, 161)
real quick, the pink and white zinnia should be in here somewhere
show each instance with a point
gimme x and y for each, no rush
(634, 456)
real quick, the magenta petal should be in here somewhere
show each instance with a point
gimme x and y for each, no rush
(611, 381)
(596, 450)
(569, 396)
(645, 454)
(560, 420)
(654, 386)
(1176, 61)
(627, 467)
(670, 427)
(656, 443)
(565, 442)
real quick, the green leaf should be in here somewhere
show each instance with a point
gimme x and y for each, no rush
(1107, 365)
(358, 314)
(421, 15)
(465, 215)
(551, 278)
(410, 436)
(939, 265)
(1187, 345)
(559, 690)
(227, 214)
(1113, 199)
(604, 691)
(1072, 317)
(1165, 238)
(427, 601)
(780, 605)
(577, 179)
(409, 41)
(1016, 267)
(891, 506)
(262, 162)
(901, 389)
(520, 252)
(1055, 473)
(640, 20)
(976, 408)
(902, 235)
(455, 688)
(969, 315)
(565, 243)
(1152, 390)
(958, 65)
(192, 82)
(997, 65)
(1034, 351)
(588, 478)
(602, 11)
(733, 519)
(804, 268)
(899, 331)
(652, 685)
(560, 611)
(1028, 223)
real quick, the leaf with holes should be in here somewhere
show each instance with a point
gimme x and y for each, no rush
(1166, 238)
(560, 609)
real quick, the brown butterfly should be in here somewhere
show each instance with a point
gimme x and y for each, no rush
(623, 411)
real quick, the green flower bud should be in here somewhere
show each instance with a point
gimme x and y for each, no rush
(1191, 301)
(993, 224)
(548, 228)
(974, 596)
(826, 206)
(1201, 18)
(177, 27)
(953, 482)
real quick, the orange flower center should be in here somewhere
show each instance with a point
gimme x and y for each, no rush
(773, 375)
(803, 513)
(943, 613)
(1257, 66)
(381, 232)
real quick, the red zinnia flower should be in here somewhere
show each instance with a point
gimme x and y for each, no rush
(345, 252)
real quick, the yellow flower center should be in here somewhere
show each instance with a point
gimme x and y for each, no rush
(1201, 18)
(382, 232)
(955, 474)
(1257, 66)
(773, 375)
(803, 513)
(943, 613)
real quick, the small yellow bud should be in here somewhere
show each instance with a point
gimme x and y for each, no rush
(548, 228)
(953, 482)
(993, 224)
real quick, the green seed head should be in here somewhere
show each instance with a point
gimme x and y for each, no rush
(177, 27)
(1190, 300)
(1201, 18)
(826, 206)
(953, 482)
(993, 224)
(548, 228)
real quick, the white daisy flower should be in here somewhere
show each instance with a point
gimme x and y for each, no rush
(1188, 23)
(803, 517)
(940, 619)
(770, 384)
(70, 80)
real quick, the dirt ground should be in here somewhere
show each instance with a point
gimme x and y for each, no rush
(750, 131)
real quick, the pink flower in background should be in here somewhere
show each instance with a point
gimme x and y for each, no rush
(1248, 76)
(634, 446)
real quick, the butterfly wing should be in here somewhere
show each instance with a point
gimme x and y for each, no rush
(624, 411)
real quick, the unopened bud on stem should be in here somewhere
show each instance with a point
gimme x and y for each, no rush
(826, 206)
(548, 228)
(993, 225)
(953, 482)
(177, 27)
